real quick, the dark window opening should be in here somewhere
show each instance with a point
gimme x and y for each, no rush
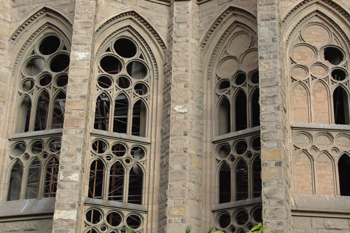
(111, 64)
(225, 184)
(116, 182)
(224, 121)
(257, 215)
(241, 147)
(93, 216)
(141, 89)
(121, 108)
(240, 79)
(51, 178)
(58, 111)
(341, 106)
(257, 177)
(59, 63)
(333, 55)
(97, 170)
(33, 179)
(102, 112)
(241, 181)
(241, 111)
(45, 80)
(242, 217)
(256, 144)
(118, 150)
(123, 82)
(344, 175)
(133, 221)
(42, 109)
(224, 86)
(104, 82)
(37, 147)
(254, 78)
(338, 75)
(99, 146)
(125, 48)
(62, 80)
(15, 182)
(49, 45)
(24, 115)
(135, 185)
(139, 119)
(255, 109)
(224, 220)
(114, 219)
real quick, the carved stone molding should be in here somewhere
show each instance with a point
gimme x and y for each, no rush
(326, 18)
(138, 18)
(213, 29)
(36, 16)
(29, 41)
(302, 5)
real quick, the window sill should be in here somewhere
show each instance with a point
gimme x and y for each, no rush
(321, 204)
(115, 204)
(34, 134)
(332, 127)
(28, 208)
(131, 138)
(240, 133)
(230, 205)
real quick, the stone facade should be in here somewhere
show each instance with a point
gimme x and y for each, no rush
(162, 114)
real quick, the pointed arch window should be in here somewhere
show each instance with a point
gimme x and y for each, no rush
(125, 73)
(125, 175)
(39, 176)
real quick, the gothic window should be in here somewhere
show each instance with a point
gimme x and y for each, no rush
(43, 78)
(124, 84)
(35, 168)
(43, 85)
(319, 57)
(344, 175)
(238, 144)
(120, 144)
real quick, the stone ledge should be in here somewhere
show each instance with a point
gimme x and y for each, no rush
(321, 204)
(27, 207)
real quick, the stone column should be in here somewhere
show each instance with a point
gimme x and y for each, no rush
(67, 214)
(274, 150)
(5, 83)
(185, 117)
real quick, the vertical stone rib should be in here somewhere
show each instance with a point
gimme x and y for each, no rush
(183, 197)
(274, 155)
(67, 214)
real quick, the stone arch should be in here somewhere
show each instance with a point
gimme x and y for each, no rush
(303, 181)
(300, 103)
(325, 174)
(232, 19)
(320, 103)
(334, 13)
(139, 28)
(44, 20)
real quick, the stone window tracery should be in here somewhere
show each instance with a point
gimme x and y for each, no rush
(319, 81)
(118, 161)
(41, 102)
(319, 76)
(237, 153)
(124, 89)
